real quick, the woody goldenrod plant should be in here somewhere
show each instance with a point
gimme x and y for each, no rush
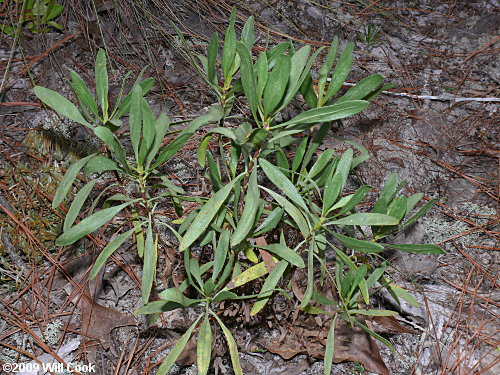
(266, 183)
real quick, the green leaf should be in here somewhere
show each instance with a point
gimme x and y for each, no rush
(224, 295)
(248, 78)
(148, 130)
(110, 248)
(370, 219)
(83, 94)
(248, 33)
(229, 49)
(214, 114)
(77, 204)
(417, 248)
(363, 88)
(276, 84)
(150, 258)
(156, 307)
(100, 164)
(89, 224)
(377, 336)
(177, 349)
(373, 312)
(292, 211)
(261, 70)
(68, 179)
(310, 275)
(340, 73)
(298, 71)
(325, 114)
(426, 207)
(204, 346)
(220, 255)
(101, 83)
(268, 287)
(359, 245)
(337, 182)
(354, 199)
(386, 194)
(412, 201)
(283, 183)
(330, 347)
(206, 215)
(135, 119)
(270, 222)
(324, 71)
(175, 295)
(162, 124)
(107, 136)
(285, 253)
(213, 49)
(60, 104)
(251, 206)
(248, 275)
(125, 103)
(233, 349)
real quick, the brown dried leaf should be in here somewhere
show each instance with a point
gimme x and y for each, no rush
(390, 324)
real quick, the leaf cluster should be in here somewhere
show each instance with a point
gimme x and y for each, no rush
(277, 204)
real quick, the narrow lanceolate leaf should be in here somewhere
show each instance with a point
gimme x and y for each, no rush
(363, 88)
(162, 124)
(324, 71)
(100, 164)
(148, 130)
(77, 204)
(418, 248)
(68, 179)
(135, 119)
(149, 269)
(251, 206)
(292, 211)
(233, 349)
(125, 103)
(204, 346)
(60, 104)
(261, 70)
(107, 136)
(373, 312)
(177, 350)
(83, 94)
(248, 33)
(214, 114)
(370, 219)
(276, 84)
(298, 68)
(354, 199)
(340, 72)
(267, 289)
(285, 253)
(206, 215)
(359, 245)
(108, 251)
(325, 114)
(213, 49)
(248, 275)
(220, 255)
(330, 347)
(335, 185)
(89, 224)
(101, 83)
(426, 207)
(283, 183)
(229, 49)
(248, 78)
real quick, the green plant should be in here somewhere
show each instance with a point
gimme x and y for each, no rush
(38, 16)
(261, 196)
(141, 169)
(276, 205)
(370, 34)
